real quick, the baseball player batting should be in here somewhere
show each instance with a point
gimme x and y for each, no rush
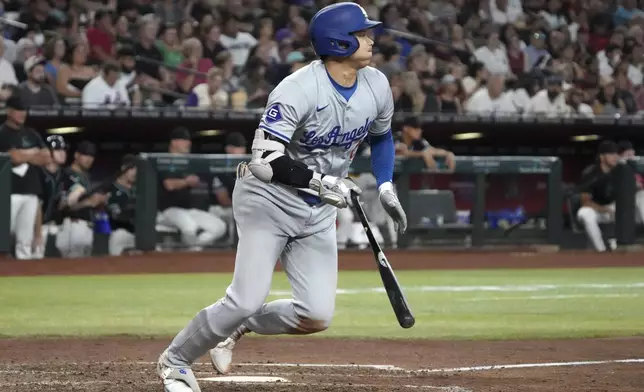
(285, 199)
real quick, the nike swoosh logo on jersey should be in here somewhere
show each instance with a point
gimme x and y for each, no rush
(322, 108)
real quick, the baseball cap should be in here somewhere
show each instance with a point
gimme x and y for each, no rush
(128, 160)
(235, 139)
(608, 147)
(180, 133)
(283, 33)
(33, 61)
(624, 145)
(86, 148)
(15, 102)
(412, 121)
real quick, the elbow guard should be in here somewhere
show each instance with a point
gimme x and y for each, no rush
(264, 152)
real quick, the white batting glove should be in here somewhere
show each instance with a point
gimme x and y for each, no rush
(334, 190)
(392, 205)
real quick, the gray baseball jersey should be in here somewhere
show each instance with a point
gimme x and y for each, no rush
(324, 129)
(274, 222)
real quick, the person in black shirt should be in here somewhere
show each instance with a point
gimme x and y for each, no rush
(410, 143)
(198, 228)
(51, 179)
(598, 194)
(76, 236)
(27, 151)
(121, 207)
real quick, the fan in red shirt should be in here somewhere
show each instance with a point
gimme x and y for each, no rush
(194, 60)
(101, 38)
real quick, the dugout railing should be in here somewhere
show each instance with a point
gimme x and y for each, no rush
(480, 167)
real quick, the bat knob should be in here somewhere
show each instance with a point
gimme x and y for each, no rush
(407, 322)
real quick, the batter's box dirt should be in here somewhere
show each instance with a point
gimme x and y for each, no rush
(123, 364)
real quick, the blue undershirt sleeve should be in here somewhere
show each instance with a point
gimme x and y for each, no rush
(383, 155)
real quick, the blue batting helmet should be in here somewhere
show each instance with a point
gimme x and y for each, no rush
(331, 29)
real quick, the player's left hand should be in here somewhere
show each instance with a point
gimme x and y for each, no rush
(334, 190)
(392, 205)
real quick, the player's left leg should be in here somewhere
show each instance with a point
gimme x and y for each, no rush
(25, 224)
(120, 239)
(639, 206)
(213, 226)
(311, 264)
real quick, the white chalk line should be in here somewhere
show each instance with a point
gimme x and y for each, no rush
(560, 296)
(485, 288)
(530, 365)
(282, 384)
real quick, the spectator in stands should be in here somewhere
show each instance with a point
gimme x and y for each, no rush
(169, 11)
(536, 52)
(238, 43)
(74, 75)
(104, 92)
(209, 95)
(607, 101)
(25, 48)
(37, 17)
(266, 46)
(448, 100)
(151, 73)
(624, 93)
(551, 101)
(122, 33)
(54, 53)
(491, 99)
(186, 30)
(414, 99)
(477, 77)
(211, 45)
(194, 61)
(170, 47)
(516, 56)
(391, 58)
(101, 38)
(577, 105)
(493, 55)
(505, 11)
(224, 61)
(7, 73)
(125, 57)
(255, 84)
(35, 91)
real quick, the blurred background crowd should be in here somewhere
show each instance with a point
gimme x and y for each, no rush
(544, 57)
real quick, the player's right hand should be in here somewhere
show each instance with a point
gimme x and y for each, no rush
(334, 190)
(192, 180)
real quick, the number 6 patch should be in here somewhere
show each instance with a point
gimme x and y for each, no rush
(273, 113)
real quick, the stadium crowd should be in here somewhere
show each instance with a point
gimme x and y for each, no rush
(548, 57)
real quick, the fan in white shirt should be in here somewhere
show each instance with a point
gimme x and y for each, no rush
(7, 73)
(493, 55)
(491, 99)
(105, 91)
(238, 43)
(550, 101)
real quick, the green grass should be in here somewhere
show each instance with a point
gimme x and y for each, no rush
(153, 305)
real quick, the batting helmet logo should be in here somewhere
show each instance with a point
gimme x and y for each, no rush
(331, 30)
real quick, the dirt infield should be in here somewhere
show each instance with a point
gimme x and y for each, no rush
(127, 364)
(312, 364)
(224, 261)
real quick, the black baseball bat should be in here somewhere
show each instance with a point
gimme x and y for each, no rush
(394, 291)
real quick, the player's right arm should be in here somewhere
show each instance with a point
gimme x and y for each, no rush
(287, 108)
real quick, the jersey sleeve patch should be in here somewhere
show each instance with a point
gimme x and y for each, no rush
(273, 114)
